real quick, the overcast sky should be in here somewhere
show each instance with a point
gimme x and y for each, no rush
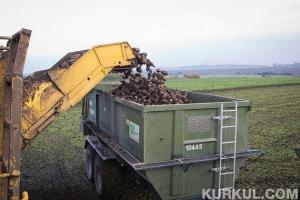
(174, 33)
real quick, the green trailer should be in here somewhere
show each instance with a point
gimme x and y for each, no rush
(175, 148)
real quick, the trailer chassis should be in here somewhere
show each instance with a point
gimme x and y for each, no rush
(108, 148)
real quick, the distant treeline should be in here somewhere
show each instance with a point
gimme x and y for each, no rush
(276, 69)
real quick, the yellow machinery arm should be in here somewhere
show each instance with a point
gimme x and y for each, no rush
(26, 111)
(48, 93)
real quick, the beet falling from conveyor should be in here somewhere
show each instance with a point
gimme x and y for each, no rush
(150, 89)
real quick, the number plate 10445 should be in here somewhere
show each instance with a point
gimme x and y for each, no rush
(193, 147)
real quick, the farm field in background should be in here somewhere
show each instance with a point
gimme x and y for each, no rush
(52, 166)
(227, 82)
(274, 128)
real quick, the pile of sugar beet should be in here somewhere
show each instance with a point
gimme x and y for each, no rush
(148, 88)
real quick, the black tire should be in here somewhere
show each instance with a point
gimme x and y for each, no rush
(89, 159)
(98, 178)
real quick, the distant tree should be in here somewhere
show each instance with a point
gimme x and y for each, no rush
(287, 74)
(191, 75)
(266, 73)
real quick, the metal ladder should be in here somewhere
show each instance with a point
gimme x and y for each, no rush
(223, 156)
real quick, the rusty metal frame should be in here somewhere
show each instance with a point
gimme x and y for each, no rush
(3, 66)
(13, 96)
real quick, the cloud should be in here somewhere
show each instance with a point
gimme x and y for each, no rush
(62, 26)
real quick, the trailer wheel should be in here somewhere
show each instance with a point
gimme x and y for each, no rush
(89, 157)
(98, 179)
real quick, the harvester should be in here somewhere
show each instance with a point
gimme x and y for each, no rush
(185, 153)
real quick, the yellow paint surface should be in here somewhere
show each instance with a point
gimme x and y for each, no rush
(67, 86)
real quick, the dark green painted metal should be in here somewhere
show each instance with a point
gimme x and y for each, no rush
(164, 134)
